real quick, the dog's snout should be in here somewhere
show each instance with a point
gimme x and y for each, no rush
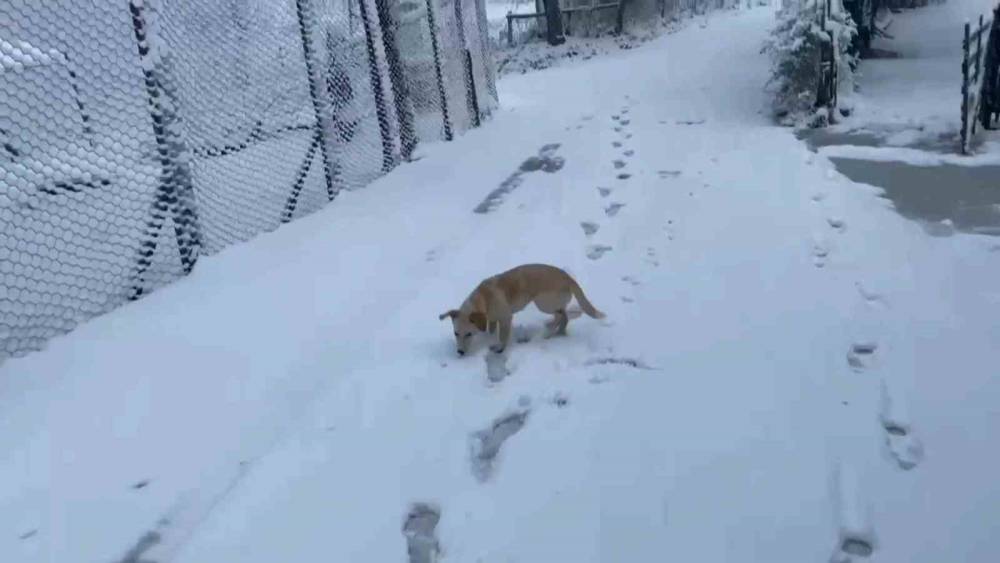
(461, 352)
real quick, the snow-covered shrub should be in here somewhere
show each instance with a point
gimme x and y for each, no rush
(794, 48)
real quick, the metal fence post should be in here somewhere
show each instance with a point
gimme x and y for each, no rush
(471, 96)
(397, 78)
(487, 55)
(174, 196)
(305, 16)
(439, 73)
(375, 76)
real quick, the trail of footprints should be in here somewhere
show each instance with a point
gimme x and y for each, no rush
(856, 533)
(621, 121)
(486, 445)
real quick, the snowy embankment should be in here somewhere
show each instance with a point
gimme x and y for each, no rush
(789, 371)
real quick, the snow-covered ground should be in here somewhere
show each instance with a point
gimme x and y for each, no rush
(913, 96)
(789, 370)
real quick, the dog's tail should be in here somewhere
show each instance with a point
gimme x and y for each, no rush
(584, 303)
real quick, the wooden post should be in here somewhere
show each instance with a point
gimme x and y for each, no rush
(510, 30)
(979, 48)
(965, 91)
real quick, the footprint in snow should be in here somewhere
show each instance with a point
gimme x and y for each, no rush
(856, 534)
(618, 164)
(634, 363)
(623, 176)
(651, 257)
(589, 227)
(559, 399)
(861, 355)
(596, 251)
(605, 192)
(902, 444)
(629, 153)
(616, 144)
(631, 281)
(668, 173)
(522, 334)
(496, 367)
(485, 445)
(820, 253)
(421, 543)
(837, 224)
(613, 209)
(872, 298)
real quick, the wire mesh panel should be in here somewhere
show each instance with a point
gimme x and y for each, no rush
(422, 67)
(78, 170)
(137, 135)
(477, 30)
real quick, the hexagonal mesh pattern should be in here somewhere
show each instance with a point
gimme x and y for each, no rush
(136, 136)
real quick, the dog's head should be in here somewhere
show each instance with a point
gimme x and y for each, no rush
(465, 325)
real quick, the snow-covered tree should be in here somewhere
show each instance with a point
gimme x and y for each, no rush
(794, 48)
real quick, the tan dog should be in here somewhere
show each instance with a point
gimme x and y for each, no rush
(496, 299)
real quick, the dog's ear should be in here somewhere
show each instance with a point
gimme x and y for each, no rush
(453, 313)
(478, 319)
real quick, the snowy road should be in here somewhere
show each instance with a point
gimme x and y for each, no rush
(790, 371)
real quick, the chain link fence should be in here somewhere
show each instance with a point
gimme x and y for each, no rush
(138, 135)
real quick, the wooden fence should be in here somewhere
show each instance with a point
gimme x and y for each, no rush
(979, 80)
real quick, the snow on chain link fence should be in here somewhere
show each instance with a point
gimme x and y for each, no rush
(137, 135)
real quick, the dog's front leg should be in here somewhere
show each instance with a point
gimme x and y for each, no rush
(504, 336)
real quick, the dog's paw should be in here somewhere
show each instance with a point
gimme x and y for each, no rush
(496, 349)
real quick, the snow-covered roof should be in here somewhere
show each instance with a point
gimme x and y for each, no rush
(18, 55)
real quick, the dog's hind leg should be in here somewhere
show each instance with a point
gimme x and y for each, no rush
(560, 320)
(555, 304)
